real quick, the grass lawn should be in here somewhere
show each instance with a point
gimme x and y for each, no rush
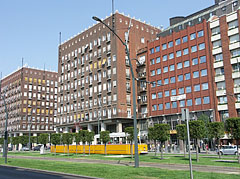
(111, 171)
(169, 158)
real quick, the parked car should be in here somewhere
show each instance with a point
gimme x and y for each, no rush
(37, 148)
(24, 149)
(229, 150)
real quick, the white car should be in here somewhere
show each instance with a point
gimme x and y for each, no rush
(229, 150)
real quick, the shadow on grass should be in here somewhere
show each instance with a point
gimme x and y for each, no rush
(158, 158)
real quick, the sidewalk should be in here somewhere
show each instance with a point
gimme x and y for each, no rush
(200, 168)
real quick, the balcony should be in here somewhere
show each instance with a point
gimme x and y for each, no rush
(219, 78)
(127, 75)
(218, 64)
(236, 74)
(233, 31)
(217, 50)
(221, 92)
(232, 17)
(237, 105)
(214, 24)
(235, 60)
(215, 37)
(222, 107)
(128, 88)
(236, 90)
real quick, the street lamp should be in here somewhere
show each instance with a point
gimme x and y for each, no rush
(30, 125)
(133, 91)
(5, 148)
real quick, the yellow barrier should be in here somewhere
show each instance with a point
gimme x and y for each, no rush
(124, 149)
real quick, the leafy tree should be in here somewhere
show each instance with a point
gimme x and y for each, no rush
(67, 138)
(15, 141)
(90, 138)
(233, 128)
(83, 134)
(78, 139)
(182, 135)
(1, 141)
(197, 131)
(152, 135)
(105, 138)
(43, 139)
(33, 139)
(56, 140)
(130, 137)
(216, 131)
(163, 133)
(23, 140)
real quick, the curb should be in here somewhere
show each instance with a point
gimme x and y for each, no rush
(51, 172)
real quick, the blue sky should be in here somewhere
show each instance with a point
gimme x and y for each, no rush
(30, 28)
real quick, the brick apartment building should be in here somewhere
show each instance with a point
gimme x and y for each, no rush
(194, 64)
(31, 100)
(94, 81)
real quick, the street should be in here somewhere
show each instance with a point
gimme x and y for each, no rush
(9, 172)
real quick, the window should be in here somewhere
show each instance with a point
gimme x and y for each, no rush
(180, 77)
(196, 74)
(154, 96)
(167, 105)
(204, 86)
(197, 87)
(160, 106)
(153, 73)
(153, 85)
(233, 24)
(164, 57)
(158, 60)
(234, 38)
(171, 68)
(174, 104)
(157, 49)
(194, 48)
(158, 71)
(166, 81)
(235, 53)
(195, 61)
(179, 65)
(182, 103)
(154, 107)
(170, 44)
(171, 56)
(218, 57)
(177, 42)
(215, 30)
(188, 89)
(224, 8)
(165, 69)
(203, 59)
(222, 100)
(198, 101)
(180, 90)
(151, 50)
(164, 46)
(184, 39)
(206, 100)
(189, 102)
(186, 63)
(204, 72)
(152, 61)
(159, 94)
(201, 46)
(200, 33)
(179, 53)
(185, 51)
(173, 92)
(166, 93)
(159, 83)
(172, 79)
(187, 76)
(193, 36)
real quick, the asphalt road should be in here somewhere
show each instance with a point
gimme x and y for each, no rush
(7, 172)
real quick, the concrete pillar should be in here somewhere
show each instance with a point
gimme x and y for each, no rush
(103, 126)
(20, 145)
(89, 127)
(119, 127)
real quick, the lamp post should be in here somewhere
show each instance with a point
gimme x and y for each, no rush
(6, 132)
(29, 134)
(133, 91)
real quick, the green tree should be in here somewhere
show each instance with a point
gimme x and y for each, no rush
(43, 139)
(56, 140)
(216, 131)
(182, 135)
(90, 138)
(105, 138)
(163, 133)
(83, 134)
(1, 141)
(23, 140)
(233, 128)
(197, 131)
(67, 138)
(129, 131)
(152, 135)
(15, 141)
(78, 139)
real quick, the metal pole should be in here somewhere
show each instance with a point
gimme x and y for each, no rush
(133, 92)
(29, 134)
(185, 113)
(6, 132)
